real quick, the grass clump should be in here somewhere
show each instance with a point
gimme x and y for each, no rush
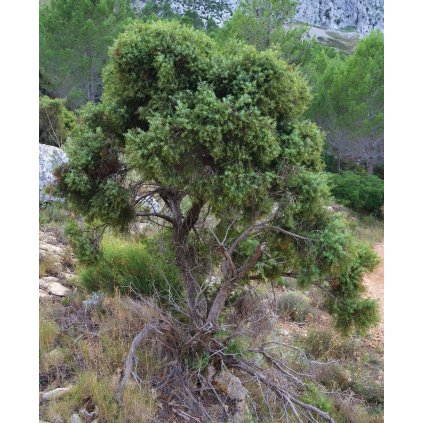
(314, 397)
(48, 265)
(368, 229)
(48, 334)
(323, 343)
(94, 392)
(131, 267)
(295, 306)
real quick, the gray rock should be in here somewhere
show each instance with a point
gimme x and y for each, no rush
(75, 418)
(363, 15)
(230, 384)
(52, 286)
(42, 293)
(49, 158)
(56, 393)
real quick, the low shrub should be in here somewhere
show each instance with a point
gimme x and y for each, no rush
(334, 376)
(55, 121)
(322, 343)
(131, 267)
(294, 306)
(372, 392)
(84, 244)
(52, 213)
(361, 192)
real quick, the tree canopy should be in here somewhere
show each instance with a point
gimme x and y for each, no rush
(211, 130)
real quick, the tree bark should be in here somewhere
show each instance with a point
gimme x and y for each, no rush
(370, 165)
(185, 257)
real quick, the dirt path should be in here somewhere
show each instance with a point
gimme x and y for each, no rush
(374, 284)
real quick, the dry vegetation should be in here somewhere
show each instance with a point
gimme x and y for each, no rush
(85, 348)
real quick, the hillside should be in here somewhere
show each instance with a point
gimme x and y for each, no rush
(361, 15)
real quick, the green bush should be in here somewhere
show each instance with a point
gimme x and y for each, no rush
(55, 121)
(84, 245)
(294, 306)
(132, 267)
(361, 192)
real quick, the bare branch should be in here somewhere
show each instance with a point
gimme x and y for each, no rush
(160, 215)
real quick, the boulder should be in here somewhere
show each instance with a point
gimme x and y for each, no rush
(49, 158)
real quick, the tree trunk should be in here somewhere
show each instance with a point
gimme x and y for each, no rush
(338, 161)
(370, 165)
(185, 257)
(186, 265)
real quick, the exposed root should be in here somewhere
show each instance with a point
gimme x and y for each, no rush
(188, 390)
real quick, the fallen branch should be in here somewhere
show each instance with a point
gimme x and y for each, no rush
(280, 392)
(130, 358)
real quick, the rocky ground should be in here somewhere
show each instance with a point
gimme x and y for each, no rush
(56, 264)
(82, 351)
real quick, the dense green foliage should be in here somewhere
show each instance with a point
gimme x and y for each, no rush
(349, 102)
(220, 127)
(74, 38)
(84, 243)
(55, 122)
(361, 192)
(133, 268)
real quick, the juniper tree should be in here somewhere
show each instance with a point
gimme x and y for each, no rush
(212, 131)
(215, 135)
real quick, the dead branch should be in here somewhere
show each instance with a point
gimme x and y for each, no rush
(130, 358)
(280, 392)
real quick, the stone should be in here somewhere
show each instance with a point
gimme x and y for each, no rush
(75, 418)
(49, 158)
(56, 393)
(50, 248)
(42, 293)
(230, 384)
(52, 286)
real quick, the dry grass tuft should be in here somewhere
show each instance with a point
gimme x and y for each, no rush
(49, 265)
(48, 334)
